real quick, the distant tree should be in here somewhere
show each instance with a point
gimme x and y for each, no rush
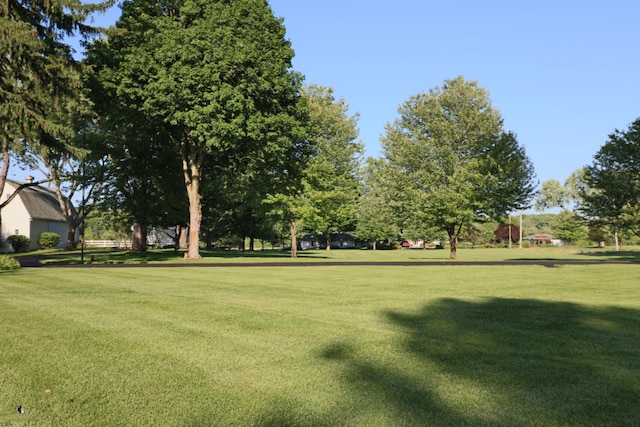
(452, 160)
(376, 218)
(506, 233)
(570, 228)
(76, 170)
(537, 224)
(331, 179)
(103, 223)
(552, 194)
(611, 191)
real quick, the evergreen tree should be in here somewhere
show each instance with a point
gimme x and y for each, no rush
(39, 78)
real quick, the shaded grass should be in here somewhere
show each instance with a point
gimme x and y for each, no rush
(630, 254)
(321, 346)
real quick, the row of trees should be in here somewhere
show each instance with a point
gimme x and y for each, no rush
(188, 114)
(603, 198)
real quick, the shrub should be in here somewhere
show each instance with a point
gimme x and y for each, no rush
(18, 242)
(8, 263)
(49, 240)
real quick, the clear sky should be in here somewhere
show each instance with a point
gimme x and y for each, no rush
(564, 74)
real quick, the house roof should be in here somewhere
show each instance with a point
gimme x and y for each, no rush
(40, 202)
(541, 236)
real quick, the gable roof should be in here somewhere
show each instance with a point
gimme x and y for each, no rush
(40, 202)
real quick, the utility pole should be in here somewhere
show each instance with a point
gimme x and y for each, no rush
(510, 238)
(520, 241)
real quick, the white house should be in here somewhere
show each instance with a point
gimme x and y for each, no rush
(33, 211)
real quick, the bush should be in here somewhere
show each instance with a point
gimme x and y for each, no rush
(49, 240)
(18, 242)
(8, 263)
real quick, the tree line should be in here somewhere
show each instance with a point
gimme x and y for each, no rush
(189, 115)
(601, 200)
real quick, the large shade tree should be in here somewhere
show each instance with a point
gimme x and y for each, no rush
(610, 194)
(217, 75)
(453, 162)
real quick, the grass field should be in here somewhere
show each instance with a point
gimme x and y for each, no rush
(631, 253)
(321, 346)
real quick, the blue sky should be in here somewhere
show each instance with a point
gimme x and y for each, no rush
(564, 74)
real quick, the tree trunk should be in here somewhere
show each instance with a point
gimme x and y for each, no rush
(182, 240)
(328, 240)
(375, 245)
(71, 236)
(617, 241)
(294, 239)
(139, 238)
(192, 180)
(453, 244)
(3, 178)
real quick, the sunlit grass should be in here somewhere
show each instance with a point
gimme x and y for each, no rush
(336, 345)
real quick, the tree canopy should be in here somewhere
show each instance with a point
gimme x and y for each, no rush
(611, 191)
(331, 179)
(40, 90)
(452, 161)
(216, 75)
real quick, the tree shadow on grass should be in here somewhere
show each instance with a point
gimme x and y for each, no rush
(156, 256)
(627, 256)
(505, 362)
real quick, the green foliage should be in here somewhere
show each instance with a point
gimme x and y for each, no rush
(18, 242)
(570, 228)
(451, 161)
(8, 263)
(331, 179)
(49, 240)
(551, 195)
(39, 79)
(377, 220)
(611, 191)
(537, 224)
(214, 79)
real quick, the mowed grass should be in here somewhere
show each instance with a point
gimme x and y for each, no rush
(155, 256)
(321, 346)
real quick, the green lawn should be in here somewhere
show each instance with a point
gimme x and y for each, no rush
(101, 256)
(321, 346)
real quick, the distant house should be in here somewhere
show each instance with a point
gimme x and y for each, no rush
(343, 241)
(543, 239)
(33, 211)
(338, 241)
(309, 241)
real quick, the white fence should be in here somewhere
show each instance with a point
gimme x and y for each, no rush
(120, 244)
